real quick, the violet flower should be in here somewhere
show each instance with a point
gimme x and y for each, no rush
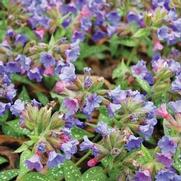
(17, 108)
(35, 74)
(133, 142)
(34, 163)
(54, 159)
(103, 129)
(46, 59)
(71, 106)
(167, 145)
(69, 148)
(143, 175)
(92, 101)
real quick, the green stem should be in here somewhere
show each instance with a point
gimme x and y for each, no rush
(83, 158)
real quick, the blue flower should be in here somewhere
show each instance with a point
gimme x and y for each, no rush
(133, 142)
(3, 108)
(35, 74)
(165, 159)
(92, 101)
(46, 59)
(176, 106)
(113, 17)
(167, 175)
(67, 73)
(34, 163)
(17, 108)
(69, 148)
(167, 145)
(73, 53)
(54, 159)
(103, 129)
(143, 176)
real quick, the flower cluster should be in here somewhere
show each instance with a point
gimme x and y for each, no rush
(127, 126)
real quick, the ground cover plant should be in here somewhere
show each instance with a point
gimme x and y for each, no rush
(90, 90)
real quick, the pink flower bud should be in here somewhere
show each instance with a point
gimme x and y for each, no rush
(157, 46)
(59, 87)
(40, 32)
(92, 162)
(162, 112)
(49, 71)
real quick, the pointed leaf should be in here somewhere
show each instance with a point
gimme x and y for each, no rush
(8, 175)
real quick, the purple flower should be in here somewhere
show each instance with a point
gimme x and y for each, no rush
(67, 73)
(17, 107)
(146, 130)
(167, 175)
(163, 33)
(103, 129)
(73, 53)
(142, 72)
(165, 159)
(35, 74)
(117, 95)
(133, 142)
(35, 103)
(98, 35)
(143, 176)
(176, 106)
(112, 108)
(24, 62)
(69, 148)
(10, 92)
(87, 145)
(54, 159)
(133, 17)
(3, 108)
(167, 145)
(71, 105)
(113, 18)
(71, 121)
(12, 67)
(92, 101)
(85, 24)
(176, 84)
(34, 163)
(47, 60)
(20, 40)
(78, 36)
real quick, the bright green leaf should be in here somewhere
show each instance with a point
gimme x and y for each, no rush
(71, 171)
(42, 98)
(24, 96)
(2, 160)
(94, 174)
(35, 176)
(141, 33)
(79, 133)
(8, 175)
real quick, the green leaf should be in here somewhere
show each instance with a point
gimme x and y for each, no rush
(24, 156)
(42, 98)
(141, 33)
(71, 171)
(87, 51)
(35, 176)
(79, 133)
(2, 160)
(5, 3)
(8, 175)
(169, 131)
(94, 174)
(12, 128)
(120, 70)
(24, 146)
(128, 42)
(97, 86)
(147, 157)
(144, 85)
(177, 160)
(49, 81)
(24, 96)
(28, 32)
(20, 79)
(4, 117)
(51, 42)
(56, 173)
